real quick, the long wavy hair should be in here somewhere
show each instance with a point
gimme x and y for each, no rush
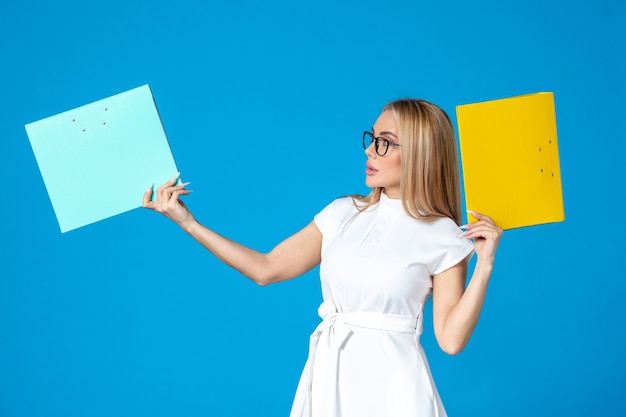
(430, 182)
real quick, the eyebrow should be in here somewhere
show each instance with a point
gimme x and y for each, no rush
(385, 132)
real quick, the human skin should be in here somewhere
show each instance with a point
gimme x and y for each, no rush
(384, 171)
(456, 308)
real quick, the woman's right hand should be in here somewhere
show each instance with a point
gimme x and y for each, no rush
(168, 201)
(292, 257)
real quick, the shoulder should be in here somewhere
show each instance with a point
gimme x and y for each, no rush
(335, 214)
(343, 200)
(445, 224)
(448, 243)
(339, 206)
(439, 234)
(442, 230)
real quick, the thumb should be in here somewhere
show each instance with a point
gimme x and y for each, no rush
(147, 198)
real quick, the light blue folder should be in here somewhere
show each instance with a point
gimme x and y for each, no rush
(97, 160)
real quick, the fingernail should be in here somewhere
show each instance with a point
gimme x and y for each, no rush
(150, 188)
(463, 226)
(185, 184)
(175, 176)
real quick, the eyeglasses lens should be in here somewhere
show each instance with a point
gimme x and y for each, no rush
(380, 145)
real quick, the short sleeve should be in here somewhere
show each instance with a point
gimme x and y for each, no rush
(330, 220)
(322, 218)
(452, 247)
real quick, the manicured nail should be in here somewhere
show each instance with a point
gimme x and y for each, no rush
(150, 188)
(463, 226)
(473, 213)
(185, 184)
(175, 176)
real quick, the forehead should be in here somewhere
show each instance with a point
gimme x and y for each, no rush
(386, 122)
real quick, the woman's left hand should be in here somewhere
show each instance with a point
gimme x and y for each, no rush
(486, 235)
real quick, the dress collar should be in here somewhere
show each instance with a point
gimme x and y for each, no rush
(392, 203)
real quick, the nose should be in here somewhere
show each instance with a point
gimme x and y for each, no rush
(370, 151)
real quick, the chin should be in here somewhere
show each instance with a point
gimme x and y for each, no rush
(371, 184)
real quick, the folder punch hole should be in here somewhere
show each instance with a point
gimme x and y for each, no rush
(520, 183)
(101, 150)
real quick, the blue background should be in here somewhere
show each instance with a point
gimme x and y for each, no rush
(264, 104)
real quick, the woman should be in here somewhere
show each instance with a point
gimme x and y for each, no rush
(381, 257)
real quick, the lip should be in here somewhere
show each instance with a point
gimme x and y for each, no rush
(369, 169)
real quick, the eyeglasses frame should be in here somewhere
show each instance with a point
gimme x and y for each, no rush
(376, 141)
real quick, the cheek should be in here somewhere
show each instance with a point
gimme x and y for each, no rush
(397, 166)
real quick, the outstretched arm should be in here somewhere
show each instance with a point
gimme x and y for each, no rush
(289, 259)
(456, 309)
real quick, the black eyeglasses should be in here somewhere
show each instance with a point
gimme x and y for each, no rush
(381, 145)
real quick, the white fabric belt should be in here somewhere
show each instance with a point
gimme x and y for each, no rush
(338, 327)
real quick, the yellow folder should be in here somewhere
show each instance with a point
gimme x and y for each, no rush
(510, 158)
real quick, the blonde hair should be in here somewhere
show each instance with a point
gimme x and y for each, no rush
(430, 181)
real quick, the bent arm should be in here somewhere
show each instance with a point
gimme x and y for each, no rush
(291, 258)
(456, 309)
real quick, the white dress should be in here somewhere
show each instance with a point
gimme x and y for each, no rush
(365, 359)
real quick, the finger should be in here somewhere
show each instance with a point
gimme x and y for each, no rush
(169, 183)
(174, 179)
(473, 225)
(479, 216)
(180, 187)
(177, 193)
(483, 231)
(483, 236)
(147, 198)
(164, 192)
(483, 223)
(171, 194)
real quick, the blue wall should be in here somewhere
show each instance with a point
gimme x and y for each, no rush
(264, 103)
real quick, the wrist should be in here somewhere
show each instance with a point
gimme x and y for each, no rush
(485, 264)
(189, 225)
